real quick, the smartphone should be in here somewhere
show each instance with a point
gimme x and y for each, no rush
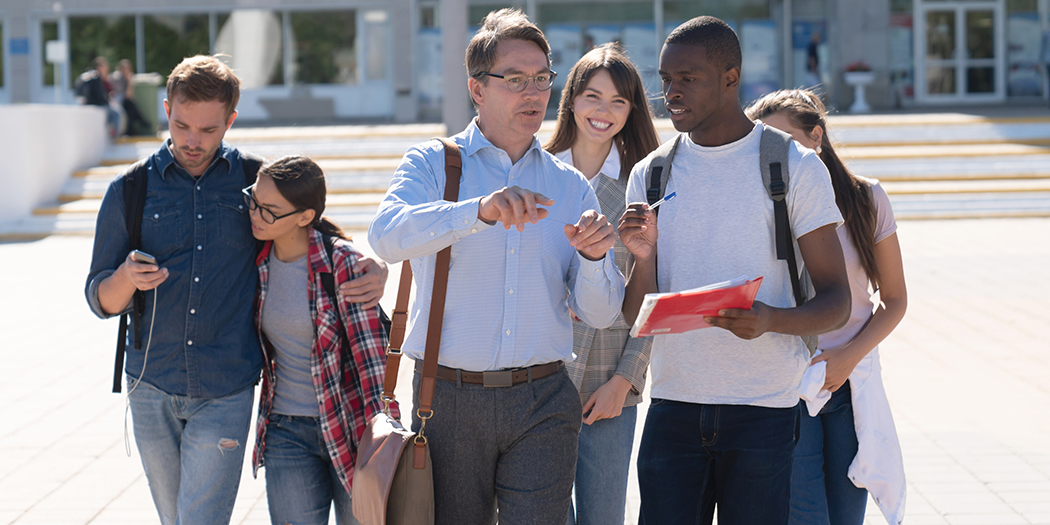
(142, 257)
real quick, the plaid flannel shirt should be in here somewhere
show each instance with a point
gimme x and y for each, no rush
(602, 353)
(349, 387)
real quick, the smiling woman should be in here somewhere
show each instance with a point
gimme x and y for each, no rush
(604, 128)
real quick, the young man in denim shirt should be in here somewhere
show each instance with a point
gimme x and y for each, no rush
(190, 382)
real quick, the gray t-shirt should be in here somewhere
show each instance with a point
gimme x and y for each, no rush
(287, 324)
(719, 227)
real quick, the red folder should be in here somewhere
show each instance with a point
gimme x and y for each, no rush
(678, 312)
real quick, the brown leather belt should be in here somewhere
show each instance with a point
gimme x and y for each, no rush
(496, 378)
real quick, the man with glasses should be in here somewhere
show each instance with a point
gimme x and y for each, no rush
(504, 452)
(192, 366)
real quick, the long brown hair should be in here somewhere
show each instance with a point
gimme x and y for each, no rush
(301, 182)
(638, 137)
(852, 194)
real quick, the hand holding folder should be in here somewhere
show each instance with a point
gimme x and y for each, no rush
(678, 312)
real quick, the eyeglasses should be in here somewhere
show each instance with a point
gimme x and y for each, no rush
(518, 83)
(267, 215)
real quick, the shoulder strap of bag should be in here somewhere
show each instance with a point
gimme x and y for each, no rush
(773, 158)
(134, 203)
(660, 171)
(453, 171)
(251, 163)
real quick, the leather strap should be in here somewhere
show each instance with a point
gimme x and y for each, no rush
(399, 319)
(497, 378)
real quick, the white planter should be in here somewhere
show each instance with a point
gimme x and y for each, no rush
(859, 80)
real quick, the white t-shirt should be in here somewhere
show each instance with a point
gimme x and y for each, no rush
(720, 226)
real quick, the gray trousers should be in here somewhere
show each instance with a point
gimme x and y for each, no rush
(511, 449)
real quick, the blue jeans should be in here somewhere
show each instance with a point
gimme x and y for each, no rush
(602, 462)
(192, 450)
(821, 491)
(694, 457)
(301, 483)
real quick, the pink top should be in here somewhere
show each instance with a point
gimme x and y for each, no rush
(859, 287)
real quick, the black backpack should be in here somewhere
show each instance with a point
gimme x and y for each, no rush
(134, 203)
(328, 281)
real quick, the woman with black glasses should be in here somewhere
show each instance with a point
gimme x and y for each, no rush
(325, 356)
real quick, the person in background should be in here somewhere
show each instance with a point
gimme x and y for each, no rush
(824, 487)
(93, 89)
(604, 127)
(122, 83)
(325, 356)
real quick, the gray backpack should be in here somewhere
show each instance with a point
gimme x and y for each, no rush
(773, 159)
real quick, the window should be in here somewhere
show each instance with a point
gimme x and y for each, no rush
(252, 41)
(171, 38)
(48, 32)
(1024, 37)
(325, 47)
(110, 37)
(2, 47)
(375, 32)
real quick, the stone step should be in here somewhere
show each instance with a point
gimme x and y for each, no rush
(944, 169)
(360, 190)
(971, 206)
(328, 164)
(334, 201)
(339, 182)
(355, 218)
(393, 140)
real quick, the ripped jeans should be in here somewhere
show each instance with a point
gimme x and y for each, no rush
(192, 450)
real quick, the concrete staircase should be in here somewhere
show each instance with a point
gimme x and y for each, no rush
(934, 166)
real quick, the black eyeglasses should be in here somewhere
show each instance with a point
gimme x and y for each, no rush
(517, 83)
(267, 215)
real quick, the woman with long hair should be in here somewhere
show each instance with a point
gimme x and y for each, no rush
(849, 446)
(604, 127)
(325, 356)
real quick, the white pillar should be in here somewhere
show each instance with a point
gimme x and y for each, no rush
(456, 110)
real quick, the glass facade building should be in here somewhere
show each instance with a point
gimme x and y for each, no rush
(381, 60)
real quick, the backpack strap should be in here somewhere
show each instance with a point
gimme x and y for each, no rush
(773, 158)
(660, 171)
(251, 164)
(135, 178)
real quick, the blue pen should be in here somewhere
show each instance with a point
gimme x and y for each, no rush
(663, 200)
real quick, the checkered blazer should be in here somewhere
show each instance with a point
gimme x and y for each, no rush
(603, 353)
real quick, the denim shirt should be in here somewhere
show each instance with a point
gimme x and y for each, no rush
(203, 344)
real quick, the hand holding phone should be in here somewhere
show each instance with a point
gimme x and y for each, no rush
(141, 273)
(142, 257)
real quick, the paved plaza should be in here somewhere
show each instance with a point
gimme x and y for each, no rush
(967, 372)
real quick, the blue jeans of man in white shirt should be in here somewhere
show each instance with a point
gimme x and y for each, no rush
(192, 450)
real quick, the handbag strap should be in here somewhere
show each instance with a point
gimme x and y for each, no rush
(399, 319)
